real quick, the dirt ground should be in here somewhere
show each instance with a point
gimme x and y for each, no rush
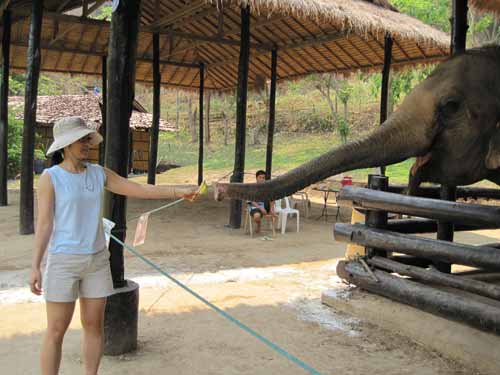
(274, 286)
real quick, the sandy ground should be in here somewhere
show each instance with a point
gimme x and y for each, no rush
(273, 286)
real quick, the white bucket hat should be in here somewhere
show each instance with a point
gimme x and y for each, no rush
(69, 130)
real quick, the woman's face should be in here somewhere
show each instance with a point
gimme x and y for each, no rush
(80, 149)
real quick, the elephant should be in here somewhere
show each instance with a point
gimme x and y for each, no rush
(450, 123)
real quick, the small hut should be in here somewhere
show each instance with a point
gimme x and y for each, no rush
(88, 106)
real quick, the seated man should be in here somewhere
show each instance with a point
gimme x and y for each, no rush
(259, 209)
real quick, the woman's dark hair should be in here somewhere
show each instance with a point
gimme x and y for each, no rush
(57, 157)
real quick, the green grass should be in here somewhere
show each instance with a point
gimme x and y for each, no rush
(290, 150)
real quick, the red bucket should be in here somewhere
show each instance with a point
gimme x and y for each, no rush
(346, 180)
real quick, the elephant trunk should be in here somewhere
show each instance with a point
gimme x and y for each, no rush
(398, 139)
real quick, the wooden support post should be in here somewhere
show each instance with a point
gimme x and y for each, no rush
(104, 96)
(4, 105)
(459, 26)
(121, 67)
(200, 135)
(155, 128)
(447, 304)
(130, 150)
(459, 37)
(208, 98)
(272, 114)
(241, 114)
(384, 97)
(445, 229)
(33, 73)
(427, 248)
(439, 278)
(85, 8)
(377, 219)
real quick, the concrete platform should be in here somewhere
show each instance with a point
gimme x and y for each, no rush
(453, 340)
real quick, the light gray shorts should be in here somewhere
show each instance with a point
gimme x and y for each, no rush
(69, 276)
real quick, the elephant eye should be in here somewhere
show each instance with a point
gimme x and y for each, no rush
(450, 107)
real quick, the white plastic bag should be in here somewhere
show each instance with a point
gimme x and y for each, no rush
(108, 225)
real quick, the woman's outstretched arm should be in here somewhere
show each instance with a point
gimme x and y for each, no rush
(123, 186)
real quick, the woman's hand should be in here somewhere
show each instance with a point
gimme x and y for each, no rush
(187, 192)
(36, 281)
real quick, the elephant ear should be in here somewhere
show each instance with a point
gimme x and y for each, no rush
(493, 156)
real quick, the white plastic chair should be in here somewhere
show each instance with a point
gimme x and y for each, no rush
(284, 212)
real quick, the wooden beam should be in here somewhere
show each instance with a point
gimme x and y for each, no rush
(45, 46)
(294, 45)
(304, 54)
(70, 63)
(412, 226)
(241, 115)
(217, 40)
(63, 5)
(444, 303)
(93, 48)
(235, 31)
(401, 49)
(439, 278)
(4, 105)
(427, 248)
(61, 35)
(305, 29)
(461, 213)
(179, 15)
(178, 34)
(26, 214)
(155, 126)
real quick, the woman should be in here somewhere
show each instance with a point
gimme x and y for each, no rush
(69, 224)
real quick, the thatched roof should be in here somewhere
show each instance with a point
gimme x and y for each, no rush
(487, 5)
(312, 36)
(51, 108)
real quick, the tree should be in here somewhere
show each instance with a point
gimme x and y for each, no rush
(46, 85)
(325, 84)
(483, 29)
(344, 92)
(432, 12)
(227, 107)
(103, 13)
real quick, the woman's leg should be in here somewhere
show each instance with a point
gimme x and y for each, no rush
(92, 316)
(59, 316)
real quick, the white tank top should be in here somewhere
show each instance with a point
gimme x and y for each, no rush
(77, 216)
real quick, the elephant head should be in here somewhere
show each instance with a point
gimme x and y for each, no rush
(449, 122)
